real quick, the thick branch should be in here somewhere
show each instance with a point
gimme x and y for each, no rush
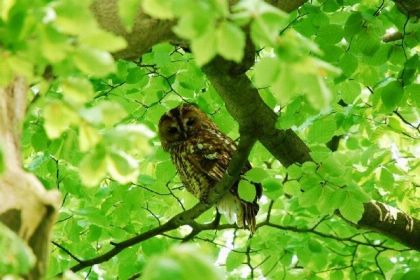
(147, 31)
(246, 106)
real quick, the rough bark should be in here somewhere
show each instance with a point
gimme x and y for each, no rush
(25, 206)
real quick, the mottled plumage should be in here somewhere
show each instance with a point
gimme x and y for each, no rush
(201, 154)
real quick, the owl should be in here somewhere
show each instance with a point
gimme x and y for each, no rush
(201, 154)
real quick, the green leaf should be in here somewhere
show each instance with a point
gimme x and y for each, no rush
(96, 40)
(94, 62)
(74, 17)
(294, 171)
(93, 167)
(77, 91)
(122, 167)
(234, 260)
(204, 47)
(350, 91)
(272, 188)
(353, 24)
(386, 178)
(128, 10)
(314, 246)
(266, 27)
(158, 8)
(16, 258)
(310, 197)
(292, 188)
(391, 95)
(230, 41)
(322, 130)
(256, 174)
(411, 275)
(324, 204)
(183, 262)
(105, 112)
(330, 34)
(266, 71)
(348, 64)
(246, 191)
(88, 137)
(352, 209)
(58, 118)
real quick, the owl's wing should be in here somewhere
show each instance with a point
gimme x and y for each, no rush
(211, 159)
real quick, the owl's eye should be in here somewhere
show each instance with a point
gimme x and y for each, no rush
(190, 122)
(172, 130)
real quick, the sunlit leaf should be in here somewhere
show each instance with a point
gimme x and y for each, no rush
(230, 41)
(246, 191)
(58, 118)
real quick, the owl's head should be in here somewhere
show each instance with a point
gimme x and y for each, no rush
(181, 123)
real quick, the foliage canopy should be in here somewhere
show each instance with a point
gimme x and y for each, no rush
(328, 69)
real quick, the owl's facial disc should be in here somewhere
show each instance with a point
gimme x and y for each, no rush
(190, 124)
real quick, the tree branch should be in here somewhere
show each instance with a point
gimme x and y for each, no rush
(249, 110)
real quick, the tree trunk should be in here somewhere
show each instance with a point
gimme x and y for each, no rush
(25, 206)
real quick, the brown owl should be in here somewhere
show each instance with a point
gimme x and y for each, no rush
(201, 154)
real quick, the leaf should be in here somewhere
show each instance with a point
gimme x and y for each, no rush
(182, 262)
(267, 25)
(386, 178)
(88, 137)
(93, 167)
(105, 112)
(350, 91)
(5, 7)
(76, 91)
(58, 118)
(294, 171)
(16, 258)
(256, 174)
(322, 130)
(128, 10)
(324, 204)
(246, 191)
(352, 209)
(103, 40)
(348, 64)
(310, 197)
(74, 17)
(234, 260)
(122, 167)
(353, 24)
(204, 47)
(411, 275)
(266, 71)
(94, 62)
(391, 95)
(272, 188)
(230, 41)
(158, 8)
(292, 188)
(330, 34)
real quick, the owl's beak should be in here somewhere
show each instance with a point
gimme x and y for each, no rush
(184, 133)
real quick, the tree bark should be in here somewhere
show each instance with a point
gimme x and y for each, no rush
(25, 206)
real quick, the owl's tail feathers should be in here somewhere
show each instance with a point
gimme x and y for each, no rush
(239, 211)
(246, 217)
